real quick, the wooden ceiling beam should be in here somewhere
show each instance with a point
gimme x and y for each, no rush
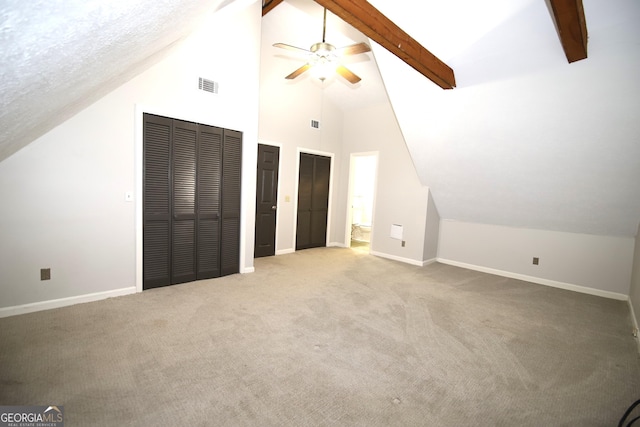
(373, 24)
(572, 27)
(361, 15)
(268, 5)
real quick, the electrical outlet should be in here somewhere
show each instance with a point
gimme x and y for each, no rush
(536, 260)
(45, 274)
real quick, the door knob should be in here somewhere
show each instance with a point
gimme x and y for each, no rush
(273, 208)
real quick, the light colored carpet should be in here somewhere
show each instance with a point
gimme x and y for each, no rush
(328, 337)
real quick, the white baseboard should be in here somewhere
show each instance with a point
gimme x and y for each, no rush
(634, 321)
(538, 280)
(246, 270)
(337, 245)
(285, 251)
(397, 258)
(64, 302)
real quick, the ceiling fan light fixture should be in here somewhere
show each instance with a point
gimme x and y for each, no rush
(323, 61)
(322, 49)
(324, 58)
(324, 67)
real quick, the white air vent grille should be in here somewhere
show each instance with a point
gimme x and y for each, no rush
(315, 124)
(208, 85)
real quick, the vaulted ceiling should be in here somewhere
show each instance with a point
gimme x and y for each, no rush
(533, 135)
(525, 139)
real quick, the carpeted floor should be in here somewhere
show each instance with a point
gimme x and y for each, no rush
(329, 337)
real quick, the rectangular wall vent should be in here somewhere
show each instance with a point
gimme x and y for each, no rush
(315, 124)
(208, 85)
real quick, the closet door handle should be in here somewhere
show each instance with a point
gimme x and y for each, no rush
(273, 208)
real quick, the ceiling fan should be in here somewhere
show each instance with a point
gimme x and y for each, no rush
(324, 58)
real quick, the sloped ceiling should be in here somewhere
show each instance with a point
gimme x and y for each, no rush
(59, 56)
(525, 139)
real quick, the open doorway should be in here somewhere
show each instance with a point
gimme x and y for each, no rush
(362, 183)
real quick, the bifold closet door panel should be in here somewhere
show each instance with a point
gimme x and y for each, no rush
(231, 199)
(209, 203)
(305, 193)
(183, 253)
(320, 201)
(313, 201)
(156, 201)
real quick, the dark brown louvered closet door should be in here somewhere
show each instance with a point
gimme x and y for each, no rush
(156, 202)
(209, 202)
(183, 251)
(231, 173)
(185, 236)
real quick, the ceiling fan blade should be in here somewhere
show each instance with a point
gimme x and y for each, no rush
(289, 47)
(353, 49)
(297, 72)
(347, 74)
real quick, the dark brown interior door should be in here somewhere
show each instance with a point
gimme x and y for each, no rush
(266, 200)
(313, 201)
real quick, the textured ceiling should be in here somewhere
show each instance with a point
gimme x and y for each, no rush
(59, 56)
(525, 139)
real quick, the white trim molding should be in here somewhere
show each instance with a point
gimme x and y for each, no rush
(397, 258)
(64, 302)
(634, 322)
(429, 261)
(285, 251)
(538, 280)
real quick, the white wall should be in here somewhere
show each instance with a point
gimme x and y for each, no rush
(599, 265)
(400, 198)
(65, 192)
(432, 232)
(286, 110)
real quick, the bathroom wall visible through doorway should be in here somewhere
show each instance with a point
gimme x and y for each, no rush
(362, 179)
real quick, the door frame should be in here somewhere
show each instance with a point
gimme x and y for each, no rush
(347, 231)
(331, 156)
(279, 146)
